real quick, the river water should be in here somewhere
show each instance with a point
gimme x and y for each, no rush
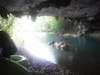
(83, 57)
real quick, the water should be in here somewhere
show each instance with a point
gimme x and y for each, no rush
(83, 59)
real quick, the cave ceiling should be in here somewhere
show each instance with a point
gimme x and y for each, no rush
(65, 8)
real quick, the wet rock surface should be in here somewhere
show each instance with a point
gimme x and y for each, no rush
(47, 68)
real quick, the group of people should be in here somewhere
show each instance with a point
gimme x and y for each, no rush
(59, 45)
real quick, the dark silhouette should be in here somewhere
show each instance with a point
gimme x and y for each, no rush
(4, 12)
(7, 46)
(8, 67)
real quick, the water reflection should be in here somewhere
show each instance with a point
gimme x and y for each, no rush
(84, 57)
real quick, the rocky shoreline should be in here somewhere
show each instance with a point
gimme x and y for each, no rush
(48, 68)
(43, 67)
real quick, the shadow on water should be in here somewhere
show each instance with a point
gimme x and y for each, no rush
(85, 60)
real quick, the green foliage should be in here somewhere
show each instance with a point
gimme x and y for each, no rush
(7, 24)
(54, 25)
(51, 25)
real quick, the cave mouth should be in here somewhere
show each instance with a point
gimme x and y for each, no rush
(32, 34)
(75, 22)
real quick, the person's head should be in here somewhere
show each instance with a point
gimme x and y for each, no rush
(7, 44)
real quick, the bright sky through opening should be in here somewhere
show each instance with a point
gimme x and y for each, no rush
(26, 32)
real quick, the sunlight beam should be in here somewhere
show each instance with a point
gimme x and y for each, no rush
(26, 29)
